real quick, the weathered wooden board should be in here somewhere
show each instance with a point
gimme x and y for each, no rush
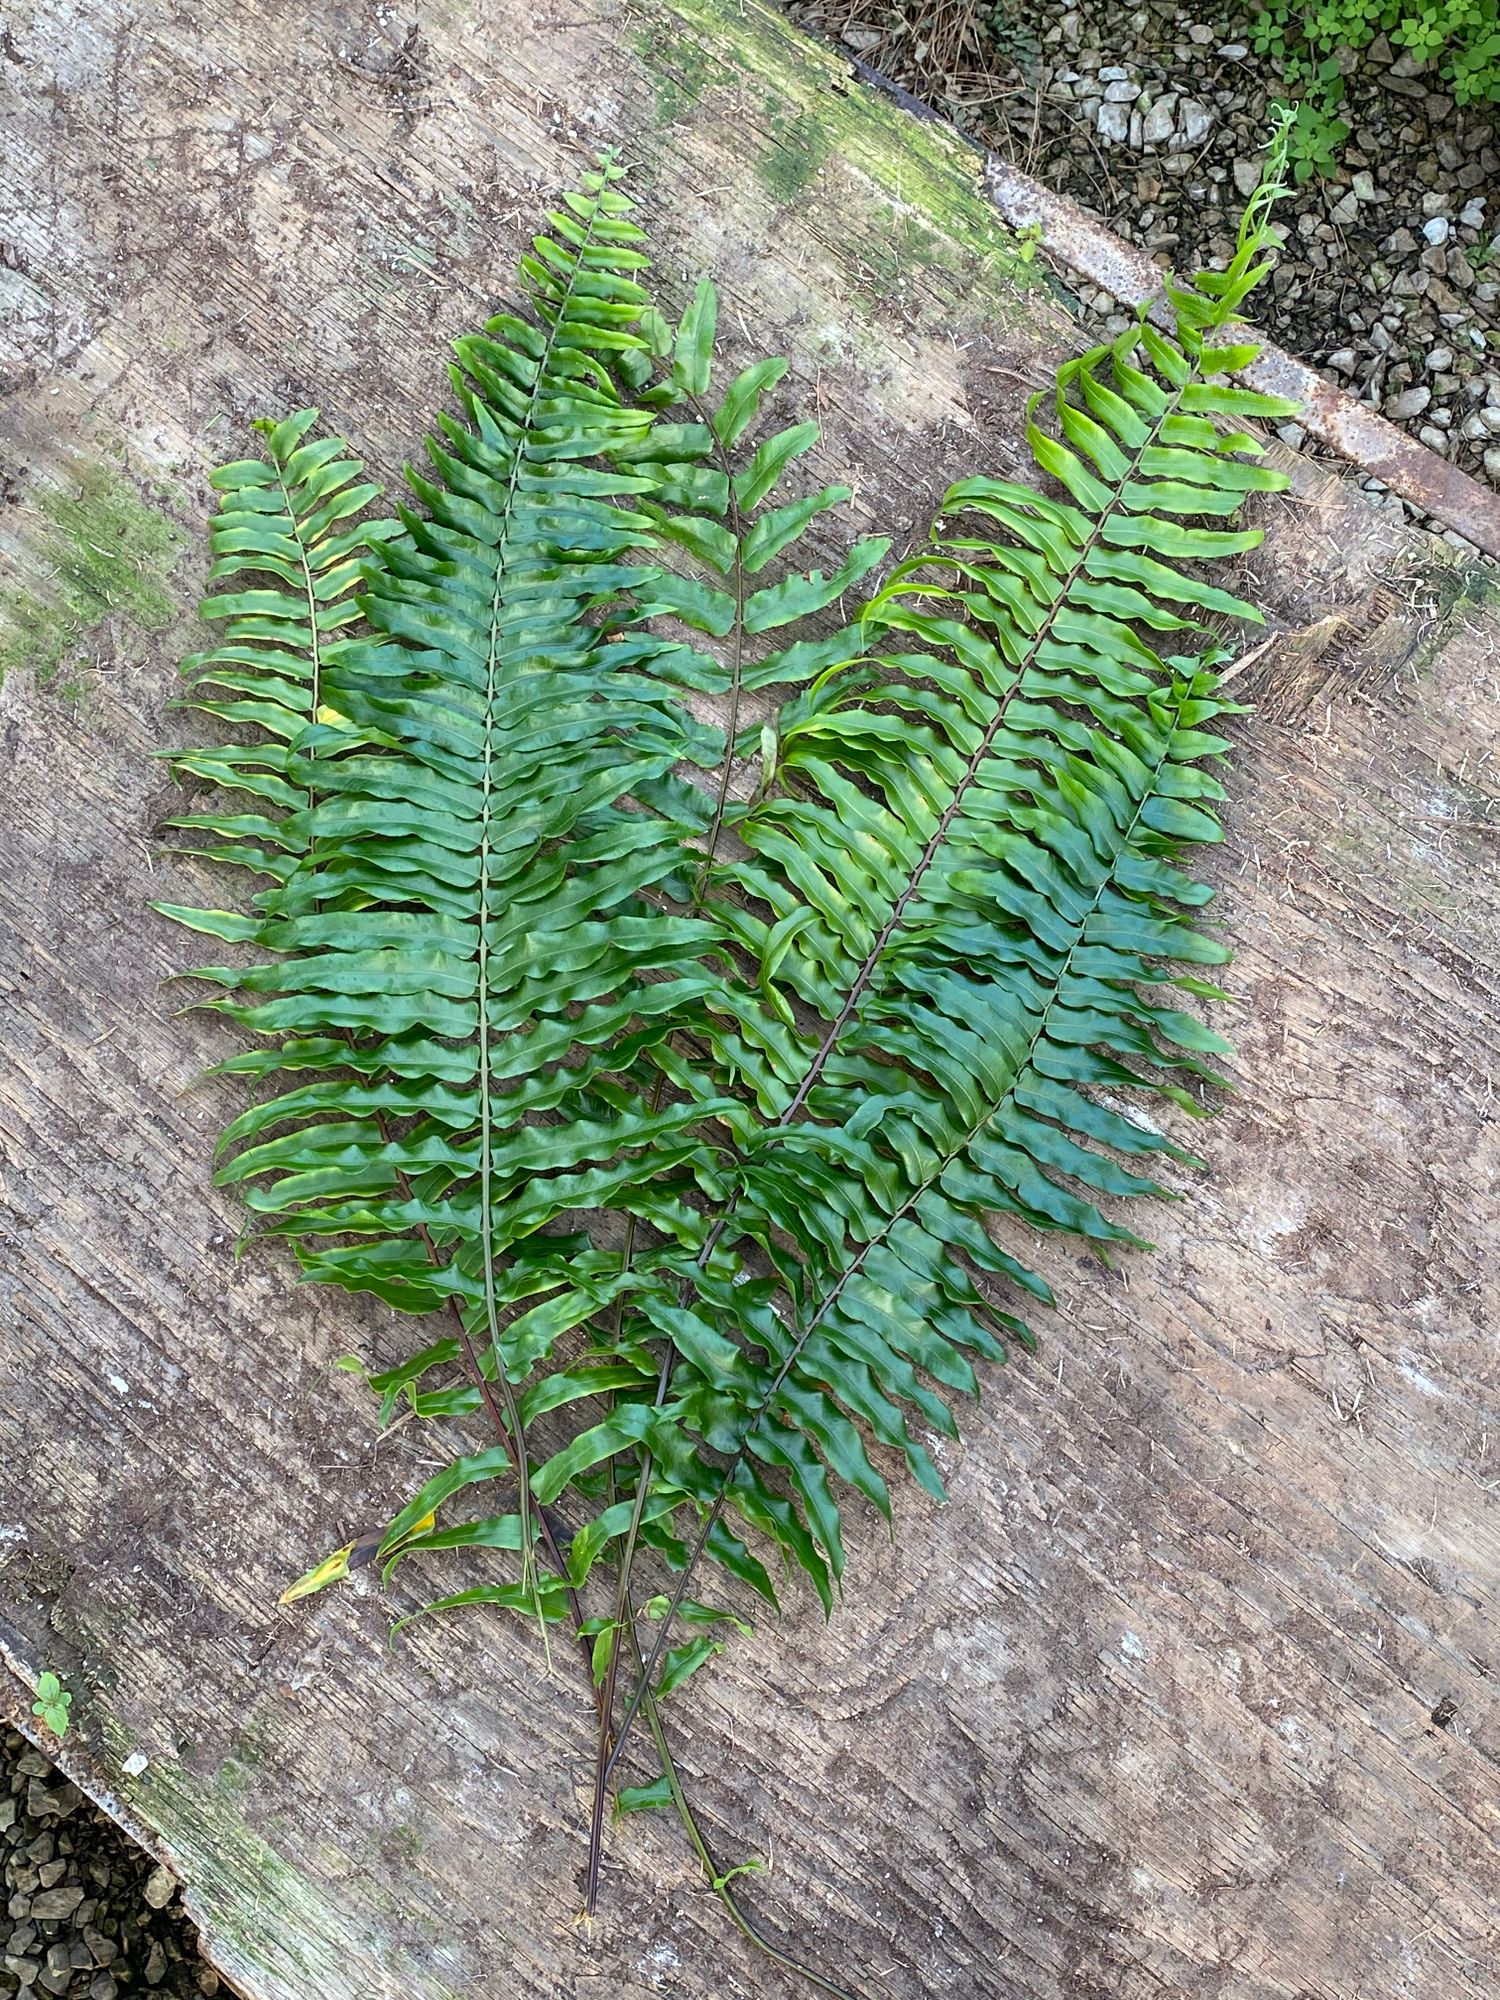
(1148, 1709)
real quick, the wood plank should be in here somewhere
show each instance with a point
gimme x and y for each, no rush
(1147, 1709)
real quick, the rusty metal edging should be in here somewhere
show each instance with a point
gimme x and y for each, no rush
(1329, 413)
(1380, 449)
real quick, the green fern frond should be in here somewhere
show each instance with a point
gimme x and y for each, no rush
(288, 521)
(443, 947)
(966, 894)
(689, 1091)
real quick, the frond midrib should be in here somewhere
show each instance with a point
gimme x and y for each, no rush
(539, 386)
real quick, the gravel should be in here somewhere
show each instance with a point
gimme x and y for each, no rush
(1390, 276)
(87, 1916)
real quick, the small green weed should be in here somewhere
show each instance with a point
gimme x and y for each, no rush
(1315, 139)
(1461, 36)
(52, 1704)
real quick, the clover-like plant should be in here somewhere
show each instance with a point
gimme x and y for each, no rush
(53, 1704)
(673, 1061)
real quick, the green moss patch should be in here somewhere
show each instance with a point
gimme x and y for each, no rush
(897, 195)
(680, 69)
(97, 551)
(799, 144)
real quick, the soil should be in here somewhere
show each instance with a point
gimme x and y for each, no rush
(90, 1916)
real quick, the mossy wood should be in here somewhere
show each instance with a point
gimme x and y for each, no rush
(1129, 1715)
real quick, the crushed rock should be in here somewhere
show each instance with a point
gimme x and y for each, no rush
(88, 1916)
(1390, 276)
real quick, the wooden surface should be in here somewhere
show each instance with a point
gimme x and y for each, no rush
(1148, 1709)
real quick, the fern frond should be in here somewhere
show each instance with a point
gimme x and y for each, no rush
(966, 909)
(468, 980)
(711, 500)
(691, 1100)
(288, 521)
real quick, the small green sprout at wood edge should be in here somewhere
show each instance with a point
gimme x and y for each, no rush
(52, 1704)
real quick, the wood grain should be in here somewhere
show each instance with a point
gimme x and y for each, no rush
(1148, 1709)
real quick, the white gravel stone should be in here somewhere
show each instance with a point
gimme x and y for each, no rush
(1195, 121)
(1408, 404)
(1122, 93)
(1490, 418)
(1439, 359)
(1160, 120)
(1471, 215)
(1491, 466)
(1114, 123)
(1436, 229)
(161, 1887)
(1343, 360)
(1247, 176)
